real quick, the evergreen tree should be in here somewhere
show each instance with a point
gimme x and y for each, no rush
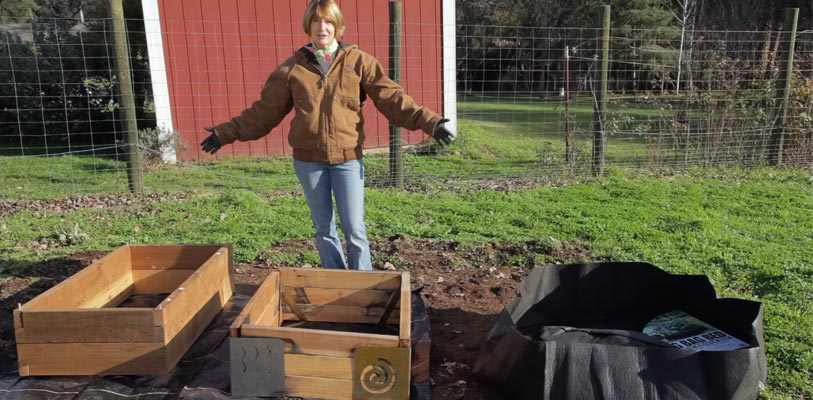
(15, 10)
(58, 76)
(648, 34)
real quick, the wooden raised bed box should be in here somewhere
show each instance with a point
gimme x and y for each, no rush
(314, 313)
(77, 328)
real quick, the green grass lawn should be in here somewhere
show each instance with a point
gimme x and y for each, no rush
(749, 231)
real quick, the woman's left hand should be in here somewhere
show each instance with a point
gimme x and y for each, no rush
(444, 136)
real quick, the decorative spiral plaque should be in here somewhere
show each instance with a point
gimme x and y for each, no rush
(379, 378)
(381, 373)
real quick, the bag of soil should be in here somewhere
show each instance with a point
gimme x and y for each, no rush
(575, 332)
(421, 345)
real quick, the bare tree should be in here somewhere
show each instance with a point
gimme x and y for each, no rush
(685, 17)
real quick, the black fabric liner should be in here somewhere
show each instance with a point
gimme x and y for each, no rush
(575, 333)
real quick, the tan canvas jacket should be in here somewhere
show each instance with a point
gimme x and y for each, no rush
(328, 122)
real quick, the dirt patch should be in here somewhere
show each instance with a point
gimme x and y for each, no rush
(464, 286)
(70, 204)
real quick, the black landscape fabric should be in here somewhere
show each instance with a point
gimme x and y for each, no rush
(575, 332)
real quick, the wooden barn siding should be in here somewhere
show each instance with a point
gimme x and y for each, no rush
(219, 54)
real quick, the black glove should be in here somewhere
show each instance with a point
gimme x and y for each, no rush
(443, 136)
(210, 145)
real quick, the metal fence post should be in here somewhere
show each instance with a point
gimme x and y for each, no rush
(126, 99)
(601, 103)
(396, 155)
(568, 133)
(788, 45)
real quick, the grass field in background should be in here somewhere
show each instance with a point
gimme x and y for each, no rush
(750, 231)
(500, 138)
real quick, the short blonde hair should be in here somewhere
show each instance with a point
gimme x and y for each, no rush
(323, 9)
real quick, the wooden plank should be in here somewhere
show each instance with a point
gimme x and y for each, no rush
(339, 279)
(329, 313)
(342, 297)
(318, 388)
(108, 325)
(90, 358)
(97, 285)
(227, 284)
(263, 302)
(319, 366)
(181, 256)
(271, 314)
(183, 340)
(288, 299)
(17, 317)
(393, 301)
(180, 306)
(405, 320)
(120, 298)
(159, 280)
(319, 342)
(109, 294)
(216, 273)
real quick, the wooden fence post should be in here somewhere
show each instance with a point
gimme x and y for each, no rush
(601, 103)
(126, 99)
(396, 155)
(785, 76)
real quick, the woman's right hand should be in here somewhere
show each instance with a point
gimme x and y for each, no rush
(211, 144)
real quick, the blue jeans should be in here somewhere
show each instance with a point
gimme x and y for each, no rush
(345, 182)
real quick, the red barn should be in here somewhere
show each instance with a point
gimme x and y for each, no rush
(210, 58)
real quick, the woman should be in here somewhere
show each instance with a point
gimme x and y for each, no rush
(326, 83)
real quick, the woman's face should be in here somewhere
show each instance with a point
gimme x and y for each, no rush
(322, 33)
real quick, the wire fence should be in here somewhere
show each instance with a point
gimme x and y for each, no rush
(526, 108)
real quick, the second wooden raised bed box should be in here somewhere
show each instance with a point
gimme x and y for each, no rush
(344, 334)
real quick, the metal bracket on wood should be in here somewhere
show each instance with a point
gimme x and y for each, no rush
(257, 367)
